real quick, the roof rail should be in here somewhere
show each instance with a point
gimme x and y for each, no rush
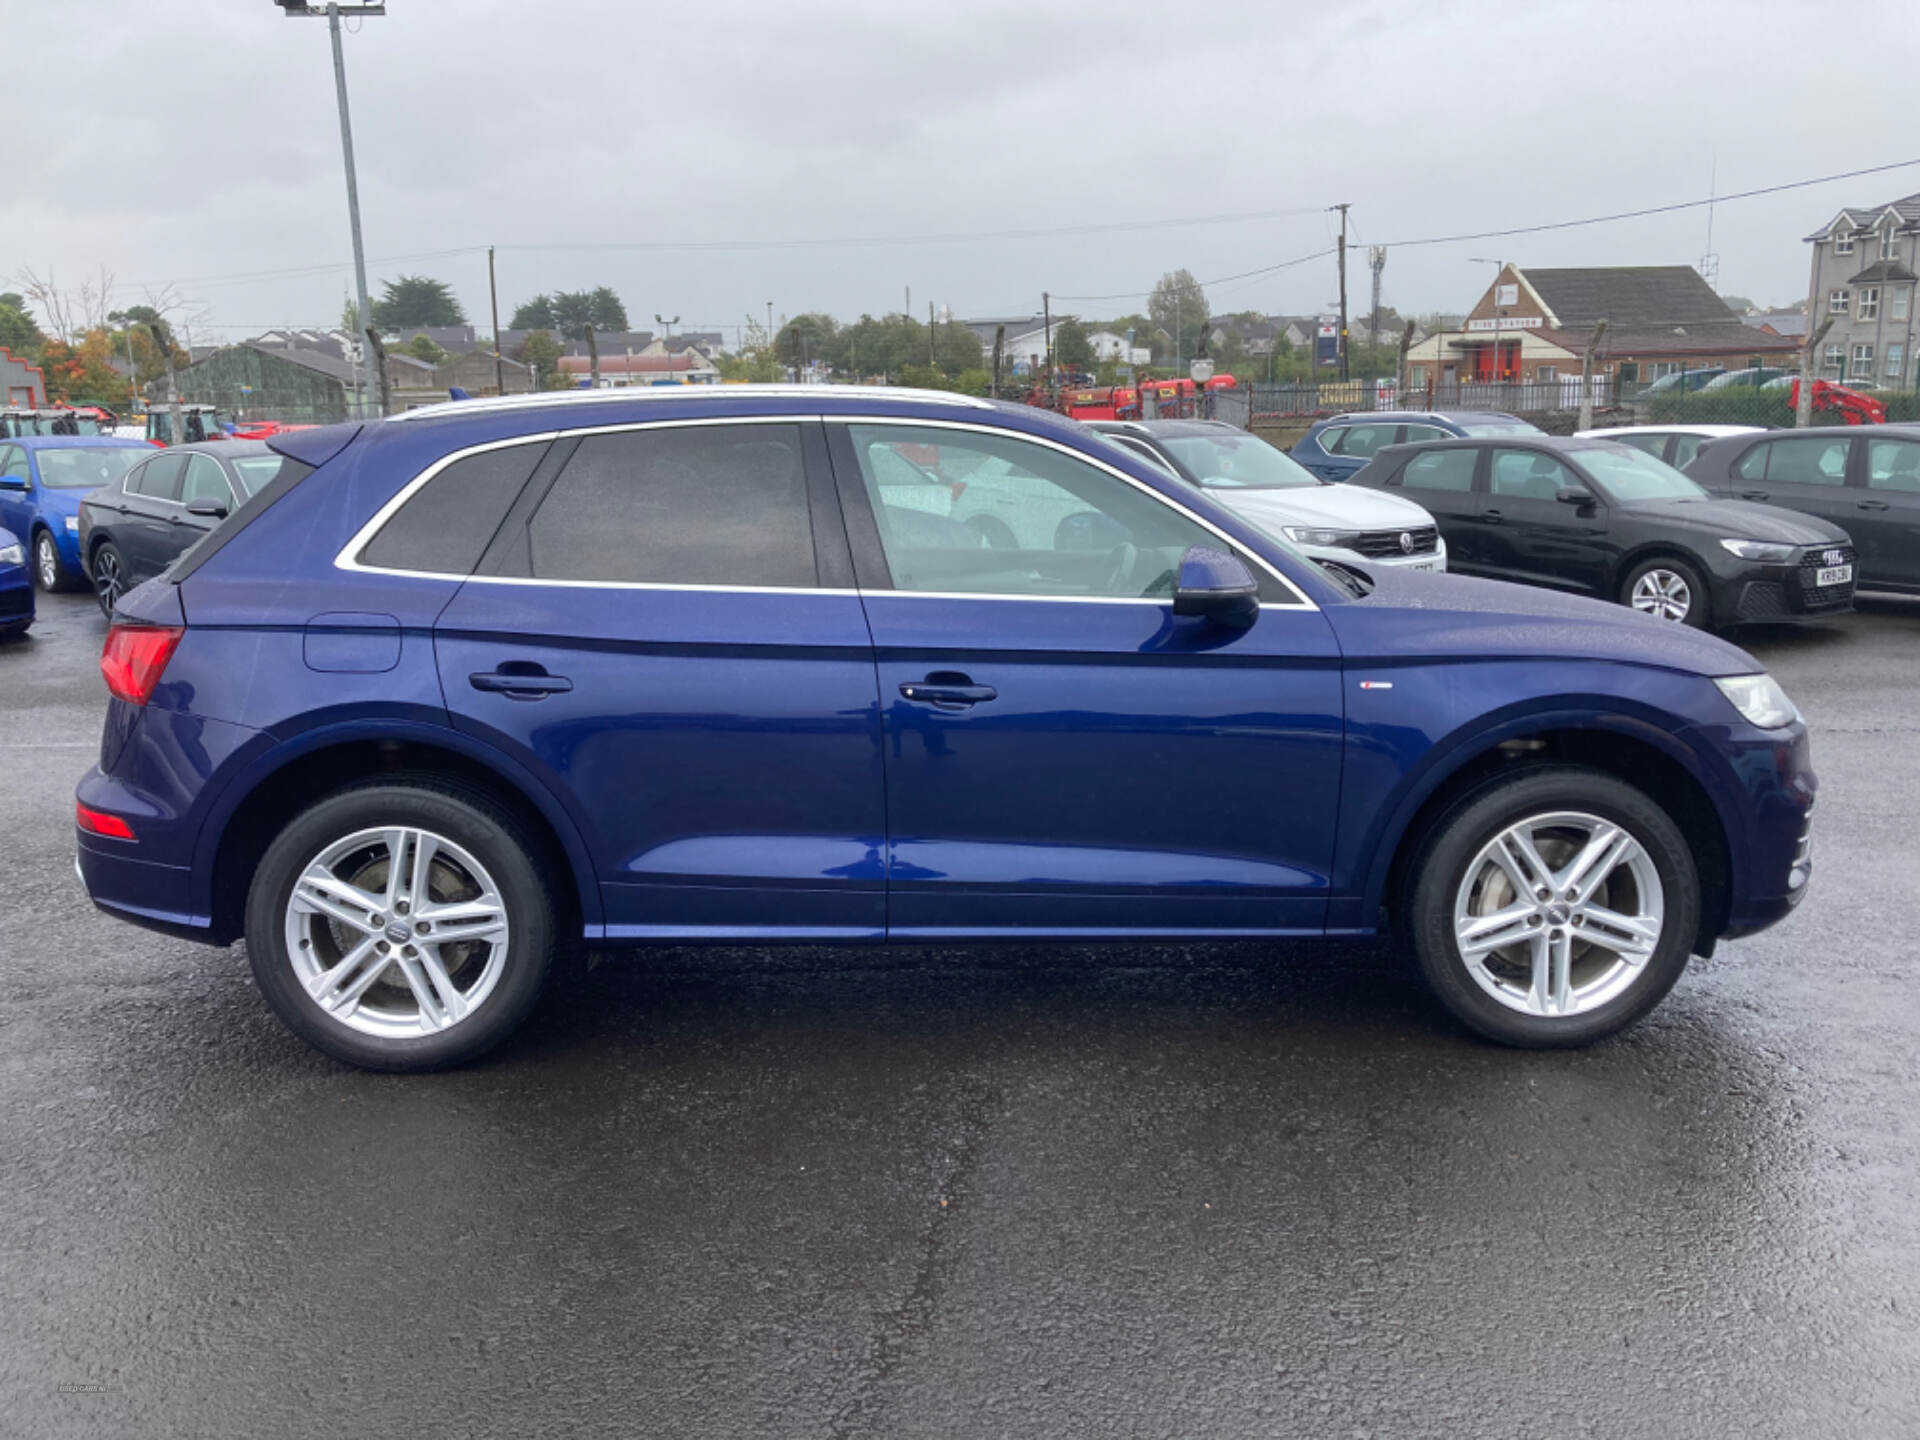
(542, 398)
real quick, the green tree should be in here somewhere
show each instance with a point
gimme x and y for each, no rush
(421, 347)
(574, 310)
(534, 314)
(81, 373)
(1178, 310)
(1071, 346)
(414, 301)
(541, 352)
(19, 331)
(956, 348)
(807, 338)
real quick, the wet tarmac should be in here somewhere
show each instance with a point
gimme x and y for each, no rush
(1167, 1191)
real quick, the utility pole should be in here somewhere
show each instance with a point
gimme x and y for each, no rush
(1046, 311)
(493, 294)
(593, 359)
(933, 358)
(292, 9)
(1377, 261)
(1342, 208)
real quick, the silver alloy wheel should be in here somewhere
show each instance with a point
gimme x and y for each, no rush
(1559, 913)
(397, 932)
(106, 579)
(49, 560)
(1663, 594)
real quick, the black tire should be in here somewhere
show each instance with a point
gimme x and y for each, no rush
(43, 547)
(107, 569)
(1700, 608)
(1440, 868)
(470, 820)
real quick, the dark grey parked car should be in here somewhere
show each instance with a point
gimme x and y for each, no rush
(131, 530)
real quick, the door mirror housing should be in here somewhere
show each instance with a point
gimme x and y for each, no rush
(1216, 586)
(1575, 495)
(13, 482)
(208, 509)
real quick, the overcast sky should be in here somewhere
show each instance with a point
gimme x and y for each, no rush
(191, 142)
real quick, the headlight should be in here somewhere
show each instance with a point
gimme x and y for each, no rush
(1759, 699)
(1758, 550)
(12, 555)
(1307, 535)
(73, 524)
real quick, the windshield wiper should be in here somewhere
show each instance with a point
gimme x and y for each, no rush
(1356, 583)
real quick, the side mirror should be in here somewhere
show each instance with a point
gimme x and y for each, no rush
(208, 509)
(13, 482)
(1218, 587)
(1574, 495)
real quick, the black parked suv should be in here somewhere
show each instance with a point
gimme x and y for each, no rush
(131, 530)
(1865, 479)
(1605, 519)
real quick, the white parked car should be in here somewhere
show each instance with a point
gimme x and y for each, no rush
(1320, 518)
(1675, 444)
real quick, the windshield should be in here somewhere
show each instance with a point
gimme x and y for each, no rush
(1499, 427)
(256, 470)
(1629, 475)
(87, 467)
(1239, 462)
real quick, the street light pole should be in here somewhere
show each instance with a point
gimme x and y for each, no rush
(294, 10)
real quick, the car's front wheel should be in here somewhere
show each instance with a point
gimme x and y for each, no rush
(1668, 589)
(48, 569)
(401, 926)
(1553, 907)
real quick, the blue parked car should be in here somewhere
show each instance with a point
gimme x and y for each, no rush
(42, 479)
(16, 587)
(1340, 446)
(462, 688)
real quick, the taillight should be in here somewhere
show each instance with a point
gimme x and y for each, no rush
(98, 822)
(134, 658)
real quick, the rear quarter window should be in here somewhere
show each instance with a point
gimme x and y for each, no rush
(446, 525)
(1440, 470)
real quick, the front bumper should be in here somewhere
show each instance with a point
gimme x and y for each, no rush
(1773, 859)
(16, 598)
(1755, 593)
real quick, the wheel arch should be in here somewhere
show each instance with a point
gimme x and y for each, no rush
(1631, 749)
(291, 777)
(1657, 550)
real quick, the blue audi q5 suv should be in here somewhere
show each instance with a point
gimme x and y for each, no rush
(464, 688)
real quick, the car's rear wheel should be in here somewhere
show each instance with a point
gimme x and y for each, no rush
(1668, 589)
(1553, 907)
(48, 569)
(109, 569)
(401, 926)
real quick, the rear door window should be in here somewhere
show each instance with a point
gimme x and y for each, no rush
(1685, 447)
(160, 478)
(1804, 460)
(1361, 441)
(446, 524)
(1412, 434)
(1528, 475)
(1654, 445)
(205, 481)
(1893, 465)
(1440, 470)
(691, 505)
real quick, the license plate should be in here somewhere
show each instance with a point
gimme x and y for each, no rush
(1833, 575)
(1422, 565)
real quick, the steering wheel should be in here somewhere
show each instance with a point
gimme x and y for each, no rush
(1119, 569)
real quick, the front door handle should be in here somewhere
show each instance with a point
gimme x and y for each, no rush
(533, 686)
(1492, 517)
(1753, 494)
(947, 690)
(1871, 504)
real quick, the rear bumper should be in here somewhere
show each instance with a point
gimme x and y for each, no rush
(158, 897)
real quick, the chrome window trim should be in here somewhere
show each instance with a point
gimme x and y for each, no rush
(567, 399)
(347, 558)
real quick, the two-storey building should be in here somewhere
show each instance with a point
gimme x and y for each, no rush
(1863, 277)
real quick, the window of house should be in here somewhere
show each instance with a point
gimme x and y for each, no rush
(697, 505)
(1441, 470)
(1863, 361)
(1629, 372)
(1417, 376)
(1897, 304)
(1843, 242)
(1029, 521)
(1837, 303)
(1896, 360)
(1869, 303)
(1664, 368)
(1545, 374)
(1835, 358)
(1889, 247)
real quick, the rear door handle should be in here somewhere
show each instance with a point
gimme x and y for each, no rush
(1492, 517)
(1753, 494)
(947, 692)
(520, 687)
(1871, 504)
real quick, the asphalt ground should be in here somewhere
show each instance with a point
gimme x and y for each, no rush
(1156, 1191)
